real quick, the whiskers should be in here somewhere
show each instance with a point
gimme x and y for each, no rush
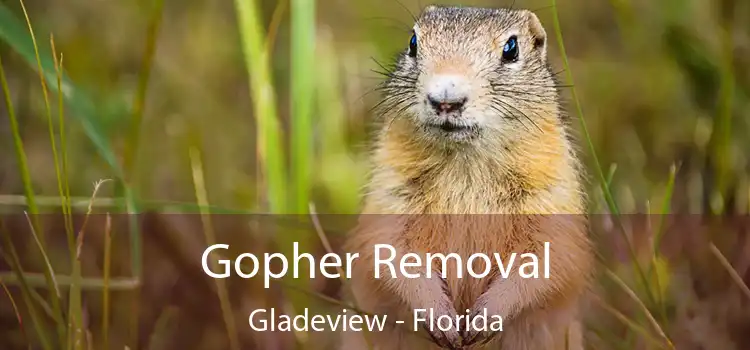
(510, 112)
(394, 106)
(398, 91)
(507, 99)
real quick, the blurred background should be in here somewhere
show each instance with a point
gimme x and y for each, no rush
(175, 102)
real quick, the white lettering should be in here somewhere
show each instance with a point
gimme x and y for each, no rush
(404, 264)
(225, 263)
(505, 269)
(444, 263)
(546, 260)
(269, 274)
(388, 262)
(263, 323)
(238, 265)
(324, 264)
(298, 257)
(533, 264)
(349, 260)
(470, 265)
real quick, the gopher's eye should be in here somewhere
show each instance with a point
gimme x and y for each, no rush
(510, 50)
(413, 46)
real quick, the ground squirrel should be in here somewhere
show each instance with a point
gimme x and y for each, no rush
(472, 124)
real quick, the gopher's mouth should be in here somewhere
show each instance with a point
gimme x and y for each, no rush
(452, 127)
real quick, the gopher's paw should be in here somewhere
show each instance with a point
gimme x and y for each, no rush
(441, 305)
(449, 339)
(482, 335)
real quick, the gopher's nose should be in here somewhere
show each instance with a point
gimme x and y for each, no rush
(447, 93)
(446, 106)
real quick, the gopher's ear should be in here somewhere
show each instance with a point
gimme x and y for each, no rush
(537, 32)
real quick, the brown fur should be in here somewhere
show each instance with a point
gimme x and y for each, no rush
(519, 163)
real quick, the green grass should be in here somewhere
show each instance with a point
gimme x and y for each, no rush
(303, 79)
(14, 261)
(268, 129)
(17, 36)
(605, 182)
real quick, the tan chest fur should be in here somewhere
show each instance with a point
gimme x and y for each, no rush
(475, 200)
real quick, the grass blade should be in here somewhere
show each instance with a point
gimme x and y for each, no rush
(200, 193)
(665, 207)
(659, 233)
(65, 192)
(721, 148)
(23, 167)
(139, 102)
(49, 271)
(269, 135)
(302, 93)
(77, 334)
(273, 27)
(106, 281)
(643, 307)
(117, 202)
(732, 272)
(36, 280)
(628, 322)
(17, 312)
(49, 119)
